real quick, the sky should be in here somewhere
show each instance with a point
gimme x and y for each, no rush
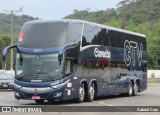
(54, 9)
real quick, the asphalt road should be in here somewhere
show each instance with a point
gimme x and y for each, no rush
(150, 97)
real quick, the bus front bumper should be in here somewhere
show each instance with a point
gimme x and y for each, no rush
(39, 93)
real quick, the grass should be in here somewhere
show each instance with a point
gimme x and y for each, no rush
(151, 84)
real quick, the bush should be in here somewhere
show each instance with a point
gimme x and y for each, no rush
(153, 75)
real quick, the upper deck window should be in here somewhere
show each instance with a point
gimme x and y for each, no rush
(94, 35)
(74, 32)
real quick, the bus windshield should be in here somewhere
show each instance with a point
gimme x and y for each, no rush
(38, 35)
(38, 68)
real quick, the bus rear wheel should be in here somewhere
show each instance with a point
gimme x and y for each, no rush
(130, 89)
(39, 101)
(91, 93)
(81, 94)
(135, 89)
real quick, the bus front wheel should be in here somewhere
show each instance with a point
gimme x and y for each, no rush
(81, 94)
(51, 101)
(39, 101)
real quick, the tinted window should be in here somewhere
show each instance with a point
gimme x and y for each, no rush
(113, 38)
(104, 33)
(38, 67)
(43, 34)
(140, 40)
(120, 39)
(74, 32)
(94, 35)
(90, 35)
(117, 39)
(134, 39)
(143, 41)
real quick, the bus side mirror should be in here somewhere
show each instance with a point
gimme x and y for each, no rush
(60, 58)
(6, 50)
(21, 59)
(59, 62)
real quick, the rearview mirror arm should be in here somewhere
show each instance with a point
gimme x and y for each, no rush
(6, 50)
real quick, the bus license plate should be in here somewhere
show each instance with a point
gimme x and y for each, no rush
(36, 97)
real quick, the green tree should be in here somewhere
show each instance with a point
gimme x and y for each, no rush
(114, 22)
(4, 42)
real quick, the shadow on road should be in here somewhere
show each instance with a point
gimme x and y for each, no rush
(70, 102)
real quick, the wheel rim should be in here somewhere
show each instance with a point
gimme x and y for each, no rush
(91, 92)
(130, 89)
(81, 93)
(135, 88)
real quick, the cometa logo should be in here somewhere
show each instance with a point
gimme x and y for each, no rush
(102, 54)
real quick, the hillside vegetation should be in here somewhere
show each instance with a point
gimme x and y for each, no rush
(5, 24)
(142, 16)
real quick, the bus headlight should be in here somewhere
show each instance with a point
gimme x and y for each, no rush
(58, 94)
(17, 86)
(17, 94)
(55, 86)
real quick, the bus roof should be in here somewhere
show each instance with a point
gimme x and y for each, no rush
(83, 21)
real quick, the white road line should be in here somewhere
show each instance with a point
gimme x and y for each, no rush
(102, 103)
(105, 104)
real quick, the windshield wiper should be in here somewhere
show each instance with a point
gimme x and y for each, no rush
(40, 73)
(49, 76)
(19, 77)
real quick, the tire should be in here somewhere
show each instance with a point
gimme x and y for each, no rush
(130, 89)
(51, 101)
(135, 89)
(91, 93)
(39, 101)
(81, 94)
